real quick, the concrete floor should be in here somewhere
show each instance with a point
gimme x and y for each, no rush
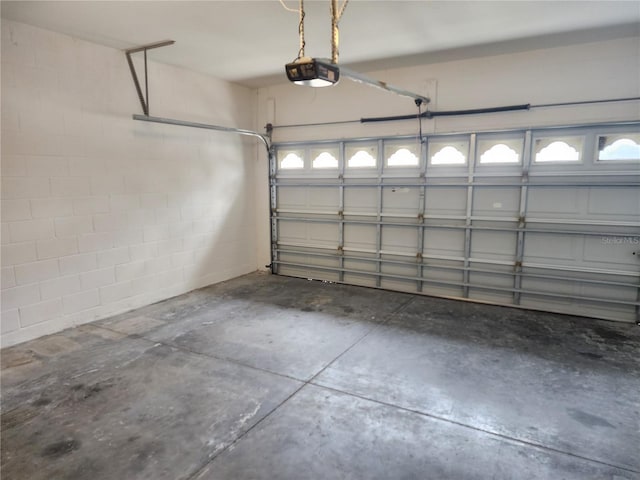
(266, 377)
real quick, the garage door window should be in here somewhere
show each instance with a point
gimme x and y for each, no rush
(558, 150)
(361, 156)
(325, 159)
(449, 153)
(621, 147)
(501, 152)
(402, 156)
(288, 160)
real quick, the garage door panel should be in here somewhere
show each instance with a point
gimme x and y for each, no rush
(360, 237)
(549, 304)
(446, 271)
(324, 234)
(361, 200)
(444, 282)
(446, 242)
(443, 291)
(360, 280)
(309, 259)
(623, 205)
(496, 202)
(546, 285)
(311, 273)
(603, 251)
(581, 308)
(322, 198)
(611, 292)
(501, 278)
(399, 239)
(310, 199)
(550, 248)
(301, 264)
(293, 271)
(489, 279)
(401, 200)
(490, 296)
(445, 200)
(293, 198)
(313, 234)
(292, 232)
(493, 245)
(554, 202)
(364, 265)
(399, 269)
(607, 311)
(399, 285)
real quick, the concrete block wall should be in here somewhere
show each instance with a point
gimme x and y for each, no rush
(100, 213)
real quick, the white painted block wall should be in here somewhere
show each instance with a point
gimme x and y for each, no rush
(100, 213)
(587, 71)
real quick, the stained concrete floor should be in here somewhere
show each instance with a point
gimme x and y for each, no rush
(266, 377)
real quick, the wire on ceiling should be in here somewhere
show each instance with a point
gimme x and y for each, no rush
(287, 8)
(300, 11)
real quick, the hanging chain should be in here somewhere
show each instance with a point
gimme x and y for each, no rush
(300, 11)
(335, 33)
(301, 30)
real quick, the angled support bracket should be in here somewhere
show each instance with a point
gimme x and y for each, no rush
(144, 99)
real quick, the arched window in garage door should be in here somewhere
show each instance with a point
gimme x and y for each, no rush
(558, 149)
(621, 147)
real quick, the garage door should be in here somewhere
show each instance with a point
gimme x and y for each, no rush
(546, 218)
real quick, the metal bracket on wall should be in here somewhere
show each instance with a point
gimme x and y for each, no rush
(144, 99)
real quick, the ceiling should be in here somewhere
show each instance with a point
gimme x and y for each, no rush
(249, 42)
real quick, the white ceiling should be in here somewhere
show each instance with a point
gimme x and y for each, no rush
(250, 41)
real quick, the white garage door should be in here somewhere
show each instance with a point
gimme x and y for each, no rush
(547, 218)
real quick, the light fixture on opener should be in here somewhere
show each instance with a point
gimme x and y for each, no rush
(316, 72)
(322, 72)
(313, 72)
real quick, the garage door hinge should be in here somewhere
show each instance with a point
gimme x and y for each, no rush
(341, 213)
(419, 255)
(421, 217)
(340, 249)
(518, 266)
(522, 220)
